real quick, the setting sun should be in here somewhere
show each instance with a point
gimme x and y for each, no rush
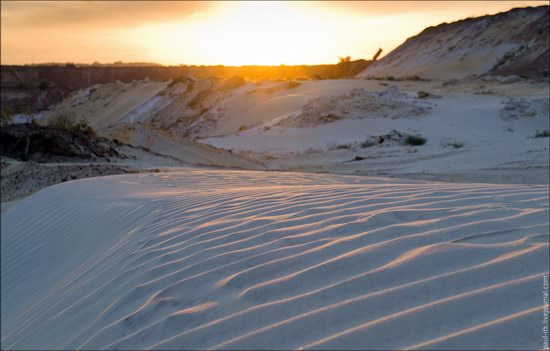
(267, 33)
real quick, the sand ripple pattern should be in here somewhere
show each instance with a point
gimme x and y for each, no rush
(263, 260)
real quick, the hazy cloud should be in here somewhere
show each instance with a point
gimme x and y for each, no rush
(100, 13)
(46, 14)
(383, 8)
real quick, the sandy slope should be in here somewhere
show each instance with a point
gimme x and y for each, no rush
(104, 104)
(183, 149)
(269, 101)
(284, 125)
(464, 132)
(235, 260)
(509, 43)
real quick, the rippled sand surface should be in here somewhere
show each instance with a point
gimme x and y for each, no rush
(270, 260)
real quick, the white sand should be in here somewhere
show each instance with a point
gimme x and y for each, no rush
(247, 260)
(254, 106)
(494, 134)
(105, 104)
(469, 47)
(183, 149)
(470, 113)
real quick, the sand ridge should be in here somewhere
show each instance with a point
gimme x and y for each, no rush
(509, 43)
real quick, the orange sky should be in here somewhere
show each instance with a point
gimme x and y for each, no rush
(228, 33)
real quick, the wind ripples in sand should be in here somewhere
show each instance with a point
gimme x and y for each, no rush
(263, 260)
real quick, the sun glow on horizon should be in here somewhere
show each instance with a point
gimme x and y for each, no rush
(248, 33)
(219, 33)
(266, 33)
(270, 33)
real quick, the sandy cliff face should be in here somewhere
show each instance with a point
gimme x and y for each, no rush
(513, 42)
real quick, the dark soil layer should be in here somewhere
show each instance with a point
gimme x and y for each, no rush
(49, 144)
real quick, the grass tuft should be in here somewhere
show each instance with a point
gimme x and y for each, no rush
(415, 140)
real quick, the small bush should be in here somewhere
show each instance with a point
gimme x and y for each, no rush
(63, 120)
(85, 128)
(543, 134)
(5, 116)
(344, 59)
(243, 128)
(415, 140)
(67, 121)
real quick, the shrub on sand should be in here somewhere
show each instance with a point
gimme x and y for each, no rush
(63, 120)
(415, 140)
(85, 128)
(67, 121)
(5, 116)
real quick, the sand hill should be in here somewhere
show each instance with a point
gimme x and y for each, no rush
(509, 43)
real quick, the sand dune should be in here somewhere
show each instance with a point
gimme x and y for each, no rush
(322, 125)
(105, 104)
(508, 43)
(463, 133)
(247, 260)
